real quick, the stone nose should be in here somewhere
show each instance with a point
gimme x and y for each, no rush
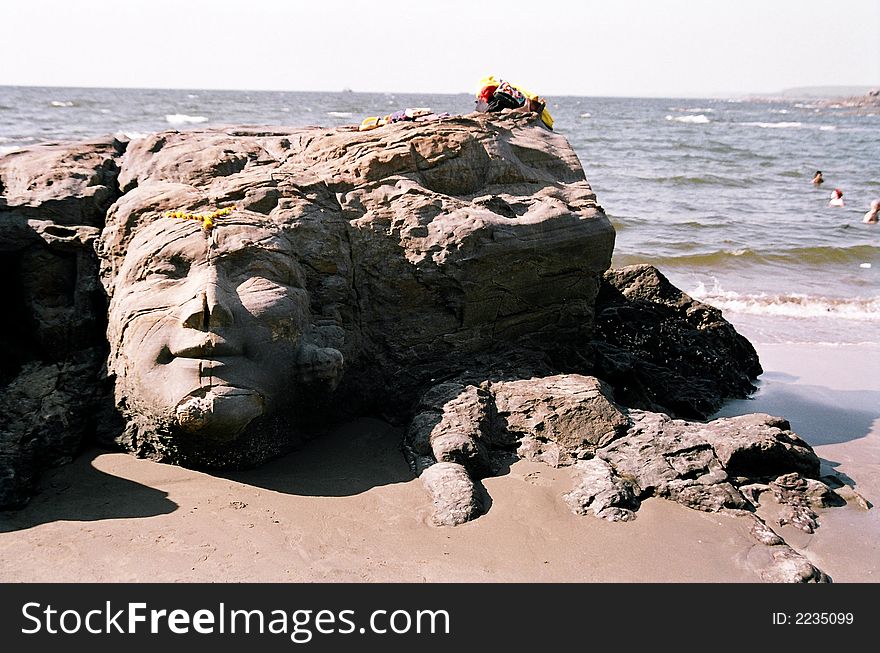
(210, 308)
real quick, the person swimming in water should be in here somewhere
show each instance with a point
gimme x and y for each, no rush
(873, 216)
(817, 179)
(836, 198)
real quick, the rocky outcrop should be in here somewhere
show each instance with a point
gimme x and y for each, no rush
(263, 281)
(408, 251)
(619, 457)
(411, 252)
(52, 342)
(662, 350)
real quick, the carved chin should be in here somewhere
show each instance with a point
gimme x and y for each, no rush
(219, 414)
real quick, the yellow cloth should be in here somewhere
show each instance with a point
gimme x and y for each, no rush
(490, 80)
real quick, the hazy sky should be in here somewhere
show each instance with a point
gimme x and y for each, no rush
(554, 47)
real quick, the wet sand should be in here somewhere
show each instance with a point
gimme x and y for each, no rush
(346, 508)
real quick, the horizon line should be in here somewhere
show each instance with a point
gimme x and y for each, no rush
(717, 95)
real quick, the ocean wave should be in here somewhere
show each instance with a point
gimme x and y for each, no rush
(778, 110)
(59, 103)
(692, 109)
(586, 115)
(133, 136)
(6, 149)
(183, 119)
(340, 114)
(854, 256)
(707, 179)
(696, 120)
(790, 304)
(772, 125)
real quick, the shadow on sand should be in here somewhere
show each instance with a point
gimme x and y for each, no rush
(351, 459)
(818, 414)
(80, 492)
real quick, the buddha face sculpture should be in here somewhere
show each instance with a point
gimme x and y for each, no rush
(208, 329)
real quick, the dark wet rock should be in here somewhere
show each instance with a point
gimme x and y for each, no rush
(45, 413)
(664, 351)
(52, 342)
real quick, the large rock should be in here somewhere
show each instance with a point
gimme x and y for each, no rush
(52, 342)
(353, 269)
(263, 281)
(67, 184)
(665, 351)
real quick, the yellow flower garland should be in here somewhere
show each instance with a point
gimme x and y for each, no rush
(207, 219)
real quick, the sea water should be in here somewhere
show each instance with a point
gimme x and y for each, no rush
(714, 192)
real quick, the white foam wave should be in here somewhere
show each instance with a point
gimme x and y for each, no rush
(105, 110)
(6, 149)
(191, 96)
(133, 136)
(790, 305)
(58, 103)
(586, 115)
(773, 125)
(340, 114)
(183, 119)
(697, 120)
(778, 110)
(827, 128)
(692, 109)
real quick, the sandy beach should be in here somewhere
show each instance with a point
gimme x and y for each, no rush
(347, 508)
(831, 396)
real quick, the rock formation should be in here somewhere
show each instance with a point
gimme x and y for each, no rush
(662, 350)
(618, 456)
(210, 298)
(53, 203)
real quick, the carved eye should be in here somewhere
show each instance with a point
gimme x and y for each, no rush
(268, 269)
(175, 267)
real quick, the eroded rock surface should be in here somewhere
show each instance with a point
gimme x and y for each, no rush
(664, 351)
(52, 344)
(620, 457)
(450, 270)
(355, 267)
(352, 269)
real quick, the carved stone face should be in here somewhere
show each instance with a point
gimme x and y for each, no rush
(206, 327)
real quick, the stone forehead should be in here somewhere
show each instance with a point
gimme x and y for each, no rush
(228, 234)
